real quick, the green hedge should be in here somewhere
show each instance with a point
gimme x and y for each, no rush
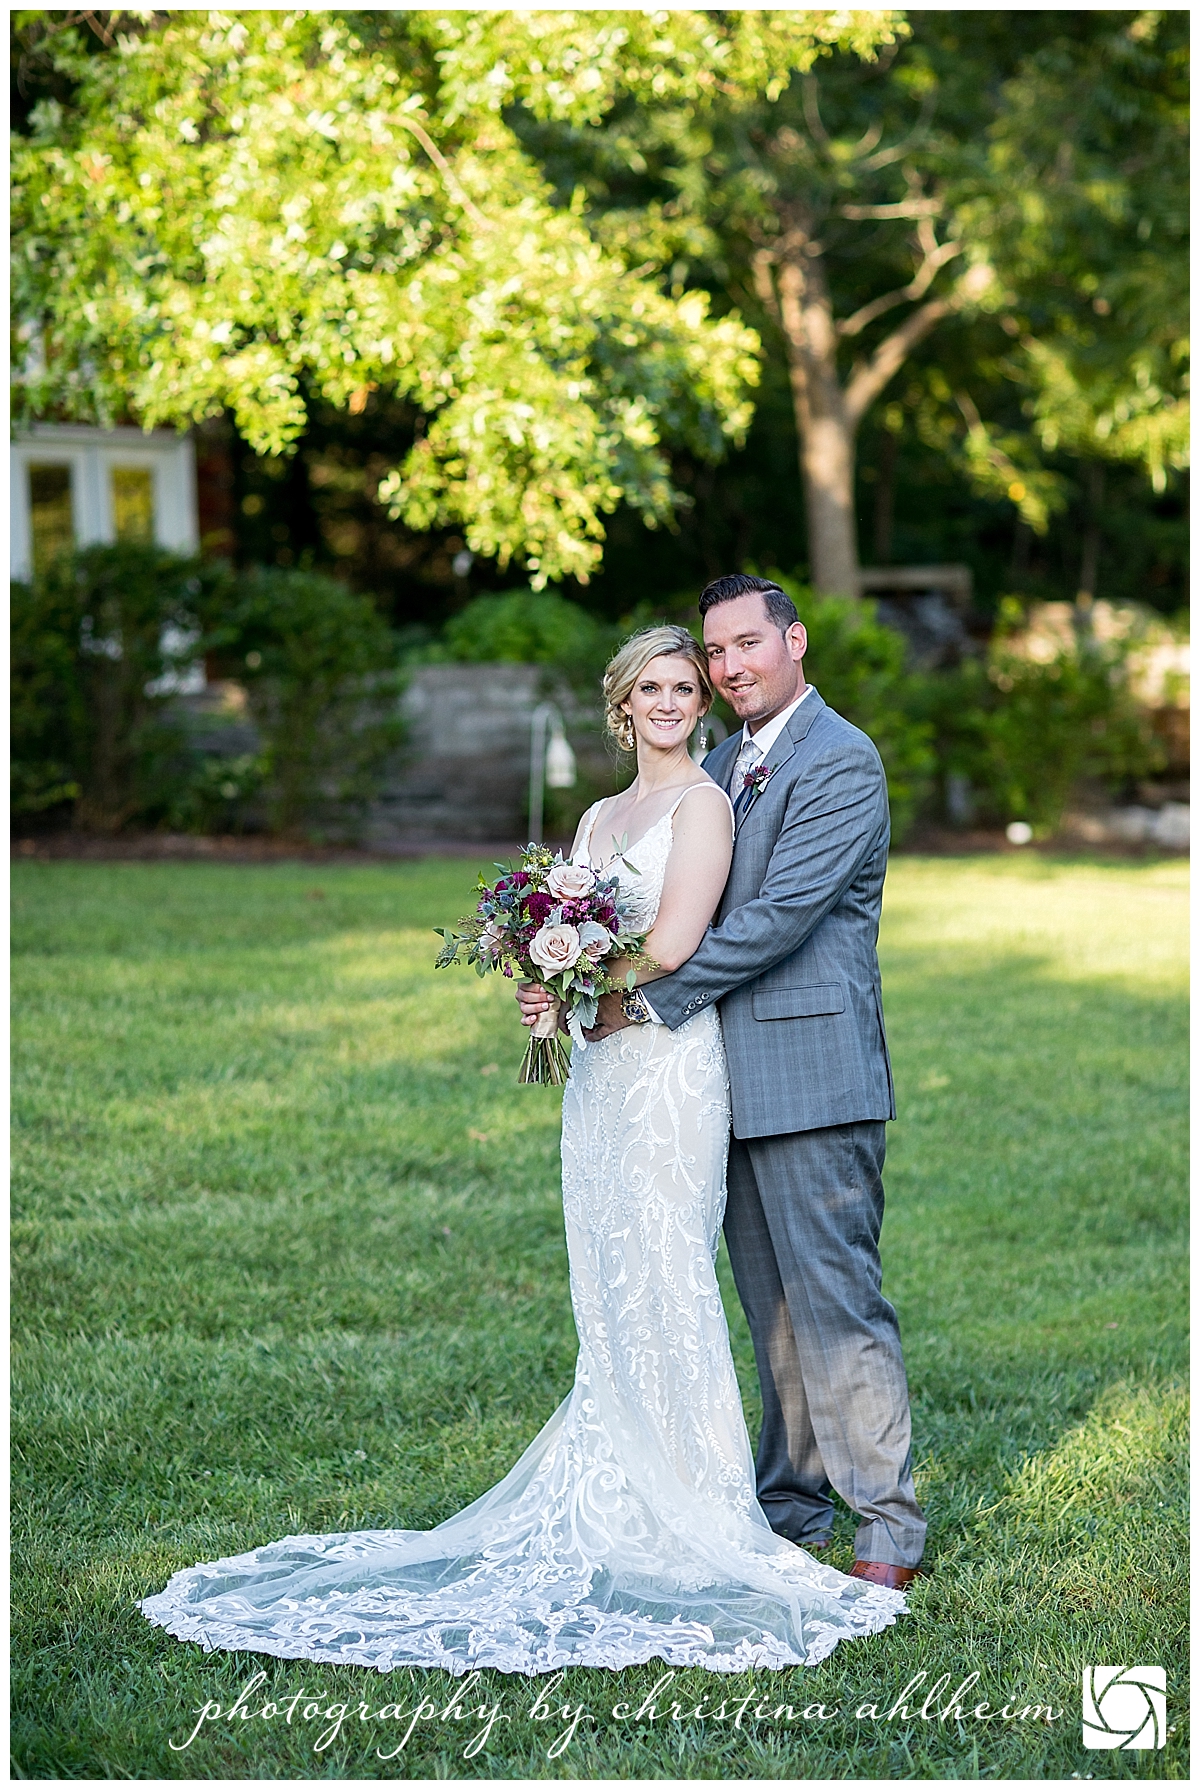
(97, 641)
(1023, 732)
(318, 663)
(525, 627)
(99, 644)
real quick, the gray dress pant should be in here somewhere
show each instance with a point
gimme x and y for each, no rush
(802, 1226)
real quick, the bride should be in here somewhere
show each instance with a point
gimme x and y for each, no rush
(629, 1528)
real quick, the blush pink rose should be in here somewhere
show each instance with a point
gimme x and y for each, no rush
(570, 882)
(594, 941)
(555, 948)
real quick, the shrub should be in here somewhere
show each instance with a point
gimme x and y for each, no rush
(318, 664)
(1039, 713)
(47, 709)
(858, 664)
(98, 643)
(219, 793)
(527, 627)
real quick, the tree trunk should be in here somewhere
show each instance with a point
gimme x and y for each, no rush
(827, 468)
(828, 414)
(825, 434)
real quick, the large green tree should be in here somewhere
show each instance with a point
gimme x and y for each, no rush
(1013, 184)
(231, 211)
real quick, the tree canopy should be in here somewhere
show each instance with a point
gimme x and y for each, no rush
(1089, 157)
(579, 247)
(235, 209)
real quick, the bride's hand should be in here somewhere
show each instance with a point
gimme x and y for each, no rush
(533, 1001)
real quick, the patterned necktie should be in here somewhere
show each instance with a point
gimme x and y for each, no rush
(747, 758)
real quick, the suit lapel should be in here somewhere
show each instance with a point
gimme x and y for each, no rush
(783, 749)
(720, 761)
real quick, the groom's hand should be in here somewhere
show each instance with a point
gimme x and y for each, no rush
(609, 1019)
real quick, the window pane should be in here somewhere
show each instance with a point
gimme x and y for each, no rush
(133, 503)
(50, 514)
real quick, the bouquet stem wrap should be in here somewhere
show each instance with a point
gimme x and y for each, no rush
(548, 1056)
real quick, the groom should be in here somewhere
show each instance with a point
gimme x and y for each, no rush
(791, 960)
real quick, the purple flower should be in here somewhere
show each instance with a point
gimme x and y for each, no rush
(538, 906)
(756, 779)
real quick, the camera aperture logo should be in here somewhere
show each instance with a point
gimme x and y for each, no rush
(1124, 1706)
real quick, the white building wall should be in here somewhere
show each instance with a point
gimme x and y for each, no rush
(91, 455)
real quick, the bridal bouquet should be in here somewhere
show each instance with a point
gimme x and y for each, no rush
(559, 924)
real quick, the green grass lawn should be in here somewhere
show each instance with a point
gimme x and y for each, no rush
(289, 1256)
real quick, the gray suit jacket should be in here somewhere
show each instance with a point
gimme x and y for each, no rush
(790, 958)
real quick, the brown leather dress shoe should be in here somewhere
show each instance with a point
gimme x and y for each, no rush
(894, 1577)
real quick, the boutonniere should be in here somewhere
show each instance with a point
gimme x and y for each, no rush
(755, 781)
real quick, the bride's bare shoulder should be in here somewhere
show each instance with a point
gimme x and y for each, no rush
(712, 807)
(712, 790)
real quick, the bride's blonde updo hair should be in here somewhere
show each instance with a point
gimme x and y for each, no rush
(628, 663)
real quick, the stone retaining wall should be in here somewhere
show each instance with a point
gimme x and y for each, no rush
(463, 770)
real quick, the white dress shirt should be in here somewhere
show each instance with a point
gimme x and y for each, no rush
(769, 732)
(762, 741)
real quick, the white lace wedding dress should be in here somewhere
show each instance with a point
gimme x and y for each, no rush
(629, 1529)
